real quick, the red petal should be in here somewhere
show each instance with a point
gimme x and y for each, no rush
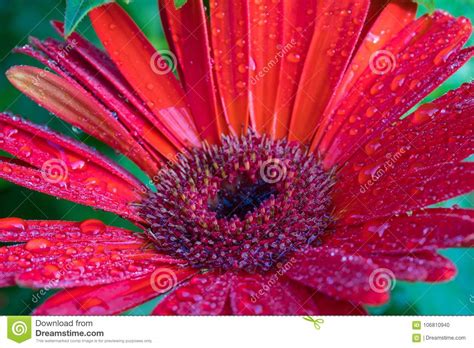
(393, 194)
(358, 118)
(93, 231)
(336, 33)
(103, 300)
(426, 266)
(230, 35)
(6, 281)
(143, 68)
(79, 191)
(444, 127)
(108, 71)
(186, 30)
(385, 22)
(337, 274)
(266, 31)
(64, 168)
(330, 306)
(269, 295)
(390, 15)
(298, 30)
(204, 294)
(36, 145)
(73, 66)
(60, 264)
(74, 105)
(431, 228)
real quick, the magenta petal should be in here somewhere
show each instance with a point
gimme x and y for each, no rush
(269, 295)
(330, 306)
(419, 230)
(72, 190)
(408, 191)
(426, 266)
(375, 97)
(187, 32)
(337, 273)
(104, 300)
(444, 126)
(204, 294)
(92, 231)
(42, 262)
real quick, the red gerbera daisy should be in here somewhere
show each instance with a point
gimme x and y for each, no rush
(285, 178)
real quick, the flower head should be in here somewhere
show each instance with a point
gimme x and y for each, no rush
(284, 175)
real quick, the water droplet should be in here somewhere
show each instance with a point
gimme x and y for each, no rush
(92, 227)
(38, 245)
(51, 270)
(6, 168)
(242, 68)
(374, 228)
(240, 84)
(71, 251)
(376, 88)
(443, 55)
(93, 305)
(424, 113)
(13, 224)
(78, 165)
(414, 84)
(371, 111)
(293, 58)
(367, 173)
(397, 82)
(240, 43)
(372, 146)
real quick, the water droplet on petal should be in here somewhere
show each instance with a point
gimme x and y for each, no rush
(293, 58)
(51, 271)
(38, 245)
(91, 303)
(424, 114)
(397, 82)
(13, 224)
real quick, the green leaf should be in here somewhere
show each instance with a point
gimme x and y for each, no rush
(428, 4)
(76, 10)
(179, 3)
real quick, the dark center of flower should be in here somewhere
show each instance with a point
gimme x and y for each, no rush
(241, 198)
(246, 204)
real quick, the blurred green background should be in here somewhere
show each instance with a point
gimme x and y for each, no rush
(23, 18)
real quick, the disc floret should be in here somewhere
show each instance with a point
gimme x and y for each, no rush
(243, 205)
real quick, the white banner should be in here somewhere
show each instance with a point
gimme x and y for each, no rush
(226, 332)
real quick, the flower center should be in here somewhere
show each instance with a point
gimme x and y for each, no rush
(246, 204)
(241, 198)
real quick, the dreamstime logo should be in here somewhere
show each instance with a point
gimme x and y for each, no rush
(54, 171)
(19, 329)
(163, 280)
(382, 62)
(163, 62)
(382, 280)
(272, 171)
